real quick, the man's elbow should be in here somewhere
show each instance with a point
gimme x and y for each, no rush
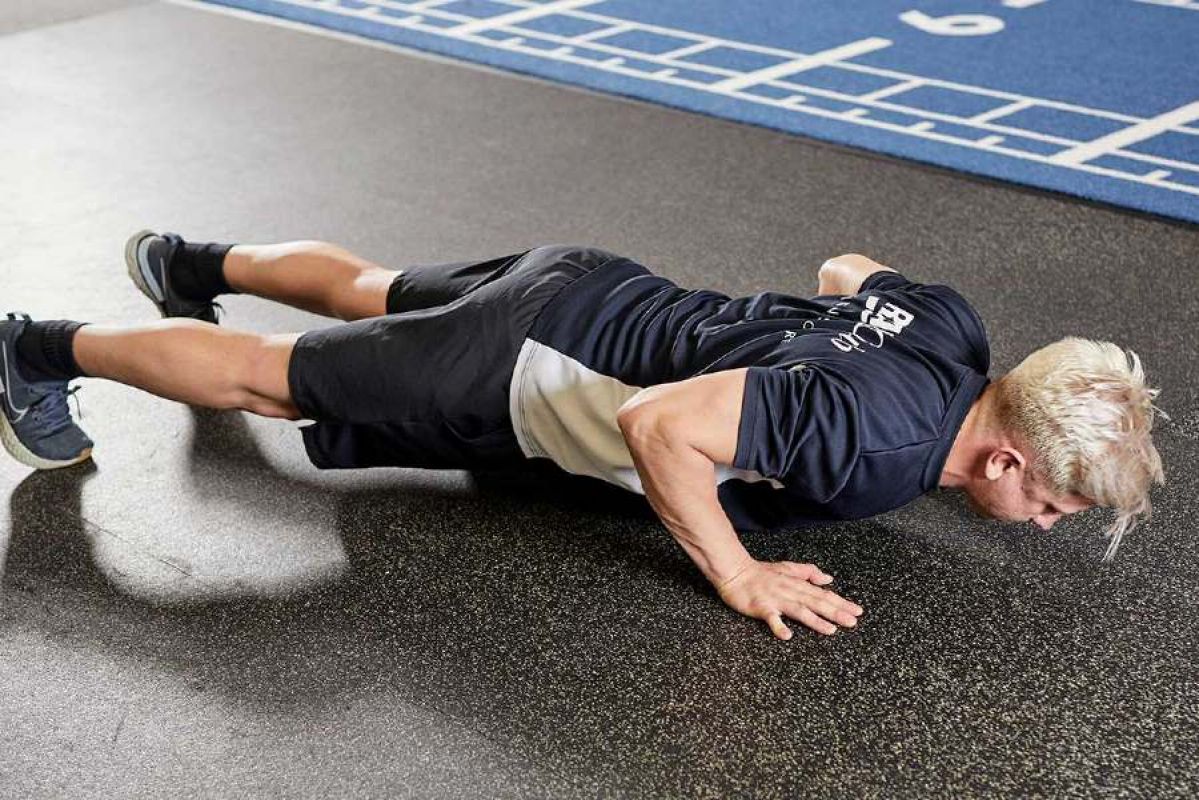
(646, 423)
(831, 277)
(635, 419)
(845, 274)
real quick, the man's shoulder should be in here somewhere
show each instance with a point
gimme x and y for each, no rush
(969, 322)
(947, 309)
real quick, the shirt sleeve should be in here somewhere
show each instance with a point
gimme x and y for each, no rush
(798, 426)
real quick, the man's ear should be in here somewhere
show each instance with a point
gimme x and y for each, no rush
(1001, 460)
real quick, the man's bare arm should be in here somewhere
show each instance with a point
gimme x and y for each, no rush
(677, 433)
(844, 275)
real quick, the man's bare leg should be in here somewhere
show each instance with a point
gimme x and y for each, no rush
(202, 364)
(193, 362)
(315, 276)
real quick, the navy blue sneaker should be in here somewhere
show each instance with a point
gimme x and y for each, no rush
(148, 257)
(36, 428)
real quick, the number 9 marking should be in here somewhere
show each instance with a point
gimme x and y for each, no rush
(954, 24)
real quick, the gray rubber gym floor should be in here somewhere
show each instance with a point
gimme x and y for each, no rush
(201, 613)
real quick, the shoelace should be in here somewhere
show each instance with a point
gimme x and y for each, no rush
(54, 409)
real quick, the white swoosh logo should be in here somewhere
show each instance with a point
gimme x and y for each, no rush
(148, 276)
(152, 286)
(20, 412)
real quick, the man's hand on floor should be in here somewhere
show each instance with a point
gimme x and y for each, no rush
(770, 591)
(676, 434)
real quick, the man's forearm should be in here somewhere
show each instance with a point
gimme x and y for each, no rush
(680, 484)
(677, 433)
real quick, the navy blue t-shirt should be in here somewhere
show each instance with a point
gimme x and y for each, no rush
(850, 407)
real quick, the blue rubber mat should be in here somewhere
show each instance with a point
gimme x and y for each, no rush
(1097, 98)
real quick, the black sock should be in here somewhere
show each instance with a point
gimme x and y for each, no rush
(45, 351)
(198, 270)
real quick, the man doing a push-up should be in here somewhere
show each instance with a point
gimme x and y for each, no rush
(766, 411)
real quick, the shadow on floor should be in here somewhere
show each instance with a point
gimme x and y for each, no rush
(464, 602)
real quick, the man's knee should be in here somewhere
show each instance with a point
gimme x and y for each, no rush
(259, 368)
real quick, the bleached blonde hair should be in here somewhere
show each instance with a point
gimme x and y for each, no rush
(1083, 409)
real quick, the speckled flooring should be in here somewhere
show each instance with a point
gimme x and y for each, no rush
(202, 614)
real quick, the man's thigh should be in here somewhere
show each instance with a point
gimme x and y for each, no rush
(434, 376)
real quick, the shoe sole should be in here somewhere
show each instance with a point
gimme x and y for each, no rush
(21, 453)
(135, 270)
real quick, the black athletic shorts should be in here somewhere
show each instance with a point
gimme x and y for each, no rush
(427, 384)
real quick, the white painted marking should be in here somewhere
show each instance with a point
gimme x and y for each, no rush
(980, 91)
(921, 130)
(562, 51)
(689, 50)
(677, 33)
(1134, 133)
(849, 65)
(954, 24)
(421, 5)
(618, 25)
(889, 91)
(845, 51)
(513, 40)
(989, 141)
(664, 73)
(1159, 161)
(602, 33)
(1022, 3)
(517, 17)
(1157, 175)
(855, 113)
(1187, 4)
(1111, 173)
(1001, 111)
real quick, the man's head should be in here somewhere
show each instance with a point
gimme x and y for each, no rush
(1067, 429)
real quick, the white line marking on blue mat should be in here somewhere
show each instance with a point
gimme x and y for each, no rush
(1189, 5)
(1067, 153)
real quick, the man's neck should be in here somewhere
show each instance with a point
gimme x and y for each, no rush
(976, 435)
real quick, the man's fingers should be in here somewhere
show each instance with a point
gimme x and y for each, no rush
(826, 604)
(844, 612)
(847, 612)
(778, 627)
(831, 611)
(848, 605)
(775, 591)
(830, 596)
(805, 615)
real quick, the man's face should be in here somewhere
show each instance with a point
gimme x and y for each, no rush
(1012, 497)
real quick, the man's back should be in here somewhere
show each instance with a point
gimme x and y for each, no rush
(850, 405)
